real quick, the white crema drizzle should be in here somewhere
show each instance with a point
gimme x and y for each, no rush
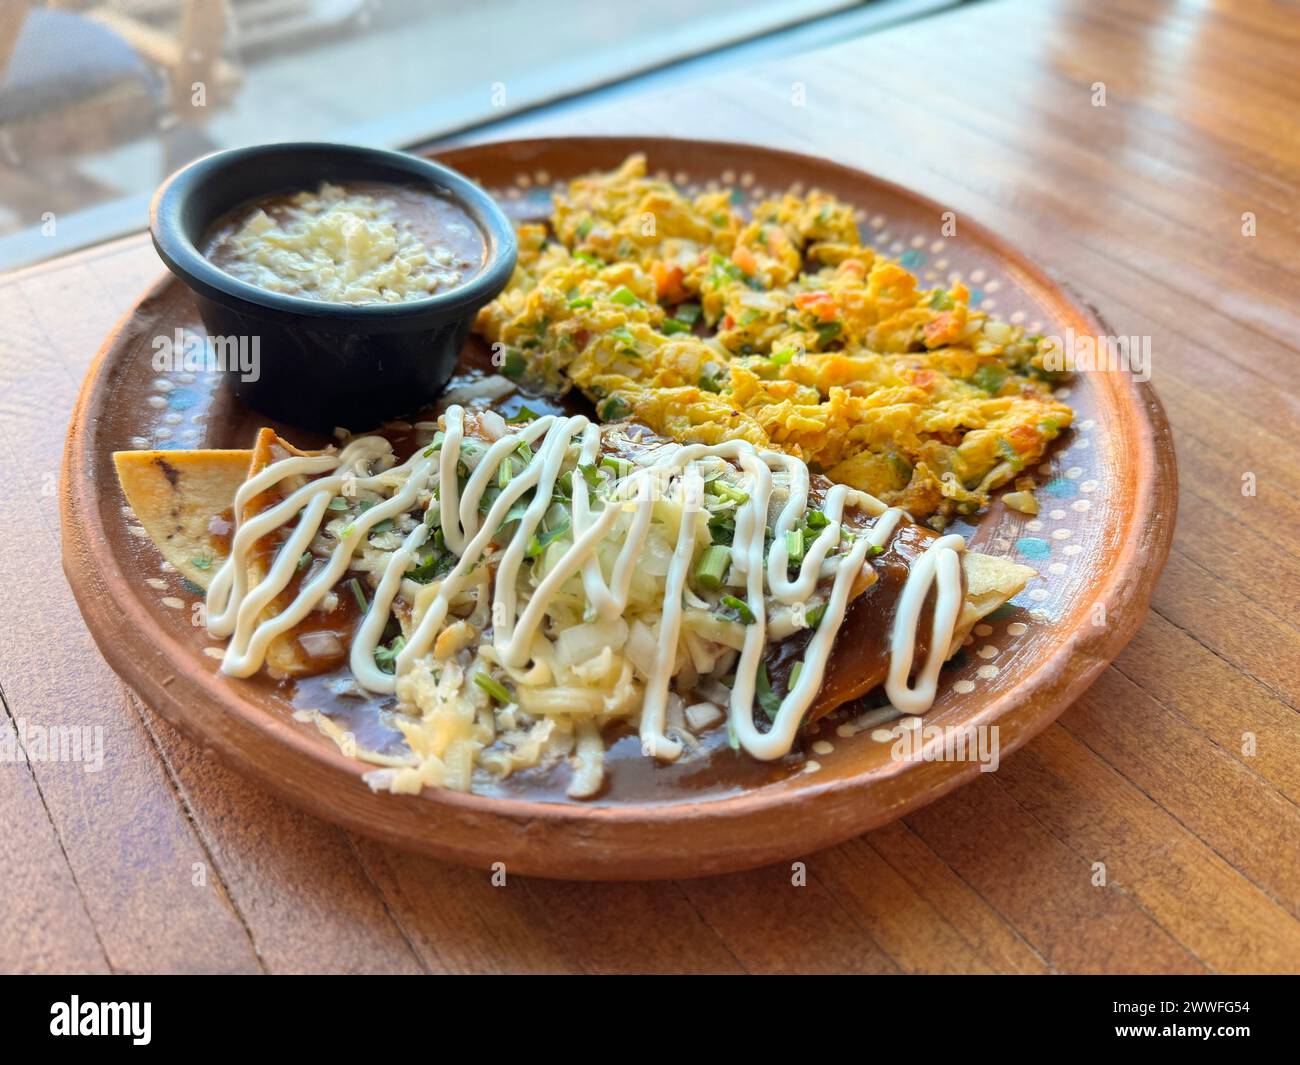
(237, 611)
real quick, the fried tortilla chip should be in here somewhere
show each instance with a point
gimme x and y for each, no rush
(285, 657)
(990, 582)
(183, 500)
(176, 495)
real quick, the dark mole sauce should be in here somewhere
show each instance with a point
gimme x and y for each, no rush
(859, 658)
(858, 661)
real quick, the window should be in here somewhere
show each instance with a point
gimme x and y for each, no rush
(100, 101)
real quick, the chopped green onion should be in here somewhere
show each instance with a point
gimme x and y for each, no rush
(712, 568)
(739, 607)
(780, 358)
(514, 365)
(721, 488)
(901, 467)
(303, 560)
(813, 617)
(687, 312)
(494, 688)
(816, 520)
(587, 257)
(828, 331)
(620, 467)
(525, 451)
(589, 473)
(794, 545)
(624, 297)
(581, 302)
(584, 227)
(625, 337)
(523, 414)
(1010, 454)
(359, 595)
(505, 472)
(673, 326)
(708, 383)
(989, 377)
(614, 409)
(874, 550)
(794, 675)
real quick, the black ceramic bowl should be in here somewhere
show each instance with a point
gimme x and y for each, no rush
(324, 364)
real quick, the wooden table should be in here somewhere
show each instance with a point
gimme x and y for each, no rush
(164, 861)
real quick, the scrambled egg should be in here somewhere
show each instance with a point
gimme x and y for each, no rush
(783, 330)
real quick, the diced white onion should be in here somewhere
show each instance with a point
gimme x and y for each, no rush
(584, 642)
(700, 716)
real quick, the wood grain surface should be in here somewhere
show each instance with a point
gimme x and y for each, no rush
(1176, 776)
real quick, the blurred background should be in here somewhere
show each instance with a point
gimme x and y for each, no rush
(99, 101)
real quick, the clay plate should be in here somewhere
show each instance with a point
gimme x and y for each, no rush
(1108, 504)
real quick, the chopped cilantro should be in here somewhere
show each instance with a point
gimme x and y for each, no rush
(386, 656)
(767, 698)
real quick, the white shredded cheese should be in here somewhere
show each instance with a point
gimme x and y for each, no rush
(336, 246)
